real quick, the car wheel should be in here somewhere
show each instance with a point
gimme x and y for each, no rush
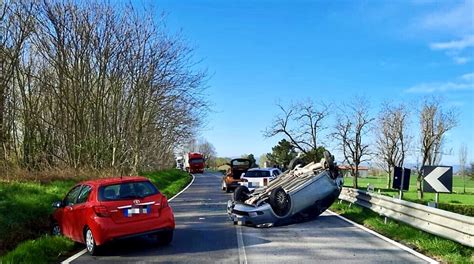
(90, 242)
(329, 159)
(56, 229)
(280, 201)
(241, 194)
(165, 238)
(295, 162)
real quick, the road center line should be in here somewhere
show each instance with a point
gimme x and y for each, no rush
(240, 245)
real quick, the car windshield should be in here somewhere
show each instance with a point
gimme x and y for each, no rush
(257, 174)
(127, 190)
(195, 161)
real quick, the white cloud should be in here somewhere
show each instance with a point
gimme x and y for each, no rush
(461, 60)
(463, 83)
(454, 22)
(455, 48)
(458, 19)
(468, 76)
(466, 42)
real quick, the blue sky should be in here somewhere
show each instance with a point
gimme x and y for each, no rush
(262, 52)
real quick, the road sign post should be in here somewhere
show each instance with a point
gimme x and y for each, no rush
(400, 196)
(401, 180)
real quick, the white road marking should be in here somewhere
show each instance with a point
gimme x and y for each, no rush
(82, 252)
(189, 185)
(433, 179)
(393, 242)
(75, 256)
(240, 245)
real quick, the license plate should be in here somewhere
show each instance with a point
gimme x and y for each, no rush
(129, 212)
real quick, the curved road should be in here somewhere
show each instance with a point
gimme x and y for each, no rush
(205, 235)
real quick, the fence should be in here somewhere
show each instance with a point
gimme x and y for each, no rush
(459, 228)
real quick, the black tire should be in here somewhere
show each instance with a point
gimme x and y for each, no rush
(280, 201)
(295, 162)
(329, 159)
(56, 229)
(241, 194)
(165, 238)
(91, 247)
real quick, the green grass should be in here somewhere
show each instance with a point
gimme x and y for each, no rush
(431, 245)
(46, 249)
(25, 208)
(169, 182)
(457, 201)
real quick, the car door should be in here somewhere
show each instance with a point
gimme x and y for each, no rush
(79, 212)
(67, 222)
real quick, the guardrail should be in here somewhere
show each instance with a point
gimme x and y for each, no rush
(459, 228)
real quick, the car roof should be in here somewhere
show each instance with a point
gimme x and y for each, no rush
(262, 169)
(115, 180)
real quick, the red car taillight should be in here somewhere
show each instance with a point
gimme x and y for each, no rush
(265, 181)
(101, 211)
(164, 202)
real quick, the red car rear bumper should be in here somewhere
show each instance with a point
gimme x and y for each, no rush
(105, 229)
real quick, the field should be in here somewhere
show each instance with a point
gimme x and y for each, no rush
(456, 199)
(25, 208)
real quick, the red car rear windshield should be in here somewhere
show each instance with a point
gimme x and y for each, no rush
(127, 190)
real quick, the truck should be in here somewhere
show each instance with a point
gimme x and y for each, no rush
(180, 163)
(194, 162)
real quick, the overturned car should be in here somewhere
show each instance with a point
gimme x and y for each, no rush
(300, 193)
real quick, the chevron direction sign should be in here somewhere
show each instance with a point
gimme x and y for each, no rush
(437, 179)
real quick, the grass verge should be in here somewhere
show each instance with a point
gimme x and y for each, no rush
(25, 208)
(46, 249)
(169, 182)
(444, 250)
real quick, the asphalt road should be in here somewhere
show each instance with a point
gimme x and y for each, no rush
(205, 235)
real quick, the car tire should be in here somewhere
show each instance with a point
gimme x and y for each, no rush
(280, 201)
(91, 246)
(295, 162)
(165, 238)
(329, 159)
(241, 194)
(56, 229)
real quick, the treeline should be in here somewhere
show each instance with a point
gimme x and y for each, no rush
(385, 138)
(93, 85)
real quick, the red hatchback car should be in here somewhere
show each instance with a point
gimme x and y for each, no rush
(94, 212)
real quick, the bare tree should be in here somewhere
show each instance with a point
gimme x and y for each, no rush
(302, 124)
(16, 25)
(434, 123)
(462, 163)
(207, 150)
(94, 86)
(351, 127)
(392, 137)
